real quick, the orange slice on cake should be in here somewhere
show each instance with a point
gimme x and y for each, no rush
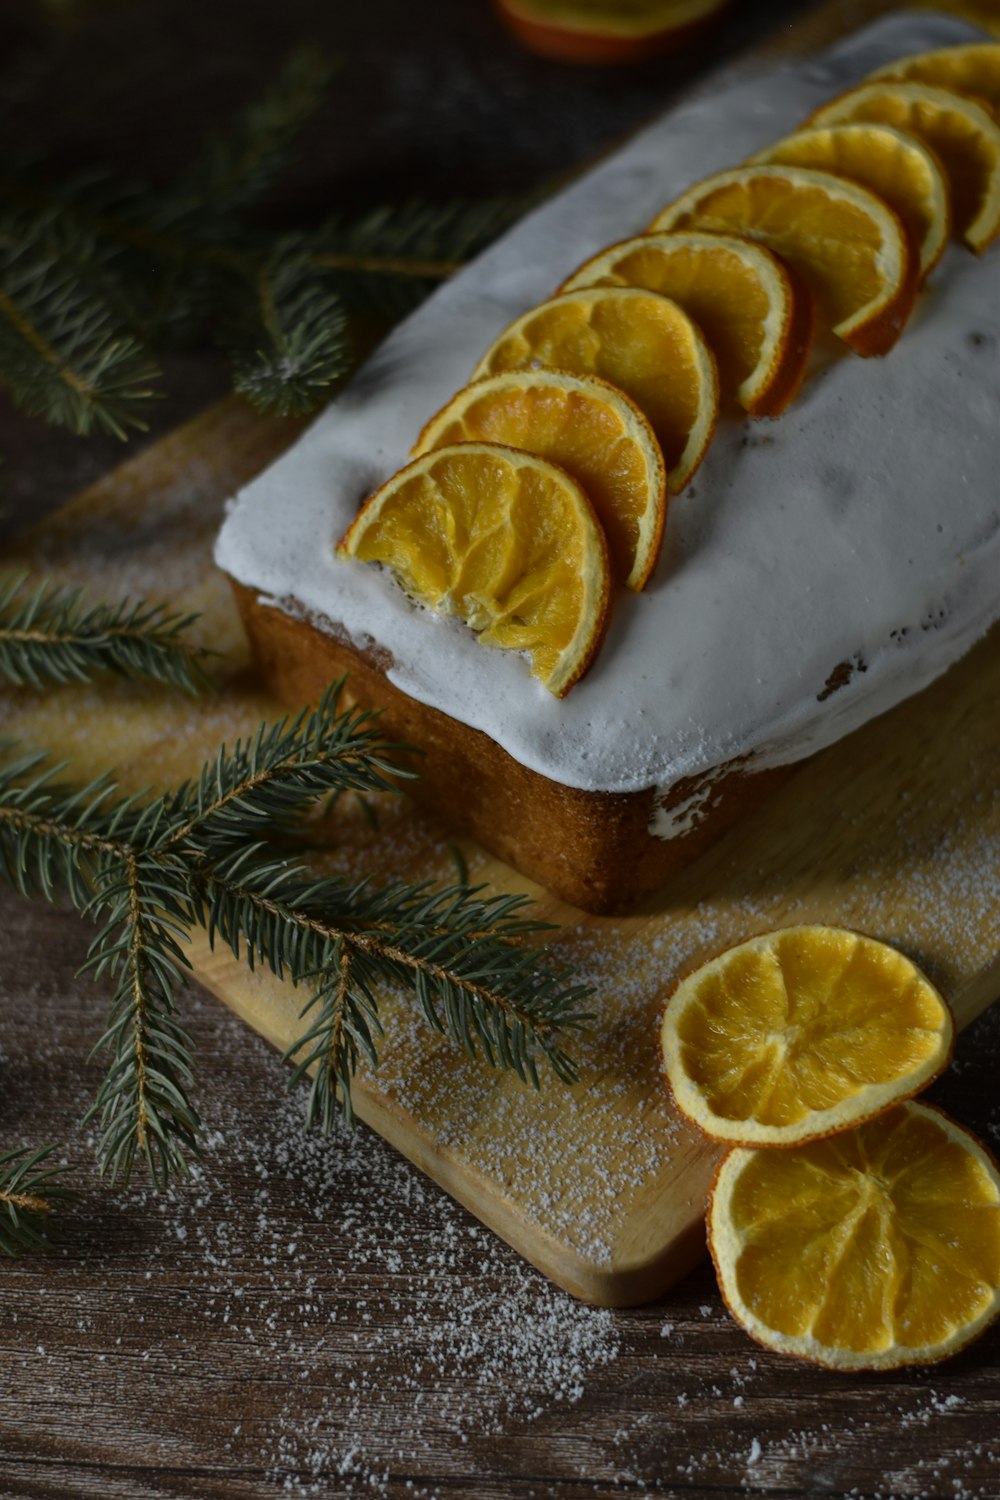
(756, 316)
(970, 69)
(605, 31)
(894, 164)
(587, 427)
(874, 1249)
(961, 132)
(847, 244)
(642, 343)
(799, 1033)
(506, 541)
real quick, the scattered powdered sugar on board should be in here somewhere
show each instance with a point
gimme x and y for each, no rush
(460, 1359)
(315, 1318)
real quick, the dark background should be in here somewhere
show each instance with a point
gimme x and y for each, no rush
(317, 1319)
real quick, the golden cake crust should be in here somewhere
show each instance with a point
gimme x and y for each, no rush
(592, 849)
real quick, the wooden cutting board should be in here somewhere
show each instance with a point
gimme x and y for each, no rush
(895, 830)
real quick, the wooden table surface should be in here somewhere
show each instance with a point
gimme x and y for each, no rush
(314, 1318)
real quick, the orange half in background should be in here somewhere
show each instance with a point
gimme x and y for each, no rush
(606, 31)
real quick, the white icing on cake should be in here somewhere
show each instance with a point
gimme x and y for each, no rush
(862, 527)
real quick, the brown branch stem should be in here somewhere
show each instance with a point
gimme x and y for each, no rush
(387, 951)
(30, 334)
(380, 265)
(135, 959)
(27, 1201)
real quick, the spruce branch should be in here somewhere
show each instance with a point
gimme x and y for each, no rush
(460, 954)
(52, 634)
(287, 341)
(214, 854)
(64, 353)
(31, 1186)
(388, 258)
(89, 842)
(143, 1104)
(267, 784)
(93, 270)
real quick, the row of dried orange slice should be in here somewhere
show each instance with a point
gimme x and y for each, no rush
(872, 1237)
(593, 407)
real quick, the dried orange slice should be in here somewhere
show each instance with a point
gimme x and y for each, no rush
(605, 31)
(756, 316)
(503, 539)
(848, 245)
(893, 164)
(587, 427)
(639, 341)
(799, 1033)
(961, 132)
(970, 69)
(874, 1249)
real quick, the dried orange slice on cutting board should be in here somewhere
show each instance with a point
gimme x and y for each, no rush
(639, 341)
(756, 316)
(961, 132)
(605, 31)
(589, 428)
(874, 1249)
(970, 69)
(799, 1033)
(846, 244)
(503, 539)
(893, 164)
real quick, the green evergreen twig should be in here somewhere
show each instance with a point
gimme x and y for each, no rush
(214, 854)
(64, 353)
(388, 258)
(51, 634)
(285, 358)
(113, 267)
(31, 1186)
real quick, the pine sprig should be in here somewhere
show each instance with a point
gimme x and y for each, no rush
(89, 843)
(64, 353)
(214, 854)
(390, 257)
(57, 838)
(287, 354)
(143, 1104)
(95, 270)
(265, 785)
(53, 635)
(459, 953)
(31, 1186)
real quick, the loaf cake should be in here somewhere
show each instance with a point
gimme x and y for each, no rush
(821, 567)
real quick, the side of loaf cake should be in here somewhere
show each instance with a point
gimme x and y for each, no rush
(820, 568)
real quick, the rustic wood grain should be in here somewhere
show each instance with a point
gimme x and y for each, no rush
(140, 1364)
(156, 1414)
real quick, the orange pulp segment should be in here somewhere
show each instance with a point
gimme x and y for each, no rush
(588, 427)
(756, 316)
(639, 341)
(893, 164)
(847, 244)
(799, 1033)
(970, 69)
(874, 1249)
(962, 133)
(503, 539)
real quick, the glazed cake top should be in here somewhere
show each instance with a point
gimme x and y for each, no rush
(861, 528)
